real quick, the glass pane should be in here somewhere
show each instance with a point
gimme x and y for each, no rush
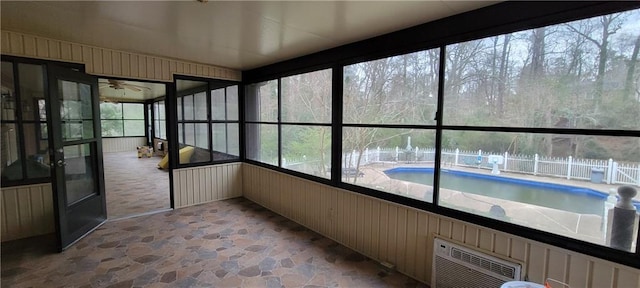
(262, 102)
(396, 90)
(189, 134)
(180, 133)
(219, 137)
(133, 110)
(163, 129)
(200, 106)
(75, 110)
(36, 150)
(79, 172)
(187, 104)
(133, 127)
(562, 76)
(180, 108)
(202, 135)
(307, 149)
(8, 93)
(512, 176)
(31, 89)
(218, 105)
(112, 128)
(307, 97)
(262, 143)
(110, 110)
(11, 164)
(372, 156)
(232, 103)
(233, 139)
(161, 111)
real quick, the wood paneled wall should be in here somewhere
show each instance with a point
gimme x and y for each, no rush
(403, 236)
(26, 211)
(122, 144)
(192, 186)
(109, 62)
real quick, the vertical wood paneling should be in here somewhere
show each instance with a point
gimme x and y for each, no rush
(579, 268)
(602, 275)
(29, 45)
(122, 144)
(107, 62)
(537, 263)
(403, 236)
(54, 49)
(42, 48)
(5, 41)
(16, 44)
(96, 56)
(412, 242)
(26, 211)
(199, 185)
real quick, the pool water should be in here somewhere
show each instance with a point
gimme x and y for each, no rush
(557, 196)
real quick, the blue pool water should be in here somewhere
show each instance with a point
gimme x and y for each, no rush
(563, 197)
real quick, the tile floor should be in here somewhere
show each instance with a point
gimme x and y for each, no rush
(134, 185)
(230, 243)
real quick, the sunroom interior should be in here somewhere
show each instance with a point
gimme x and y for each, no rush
(509, 129)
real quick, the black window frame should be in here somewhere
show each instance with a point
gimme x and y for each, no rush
(514, 16)
(210, 85)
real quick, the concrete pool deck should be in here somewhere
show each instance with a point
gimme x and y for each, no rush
(586, 227)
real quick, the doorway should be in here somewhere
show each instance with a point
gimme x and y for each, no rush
(133, 125)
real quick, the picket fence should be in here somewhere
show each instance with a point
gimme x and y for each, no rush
(605, 171)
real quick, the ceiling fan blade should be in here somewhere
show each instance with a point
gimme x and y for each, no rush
(131, 87)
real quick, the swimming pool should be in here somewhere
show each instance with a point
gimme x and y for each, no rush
(558, 196)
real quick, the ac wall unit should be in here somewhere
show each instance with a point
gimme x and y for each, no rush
(455, 266)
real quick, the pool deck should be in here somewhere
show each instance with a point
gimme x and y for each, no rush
(587, 227)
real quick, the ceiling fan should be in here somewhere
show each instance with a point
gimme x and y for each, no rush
(120, 84)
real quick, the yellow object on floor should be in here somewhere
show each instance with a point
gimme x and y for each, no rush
(184, 154)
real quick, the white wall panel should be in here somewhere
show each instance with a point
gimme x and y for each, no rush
(108, 62)
(26, 211)
(204, 184)
(122, 144)
(403, 236)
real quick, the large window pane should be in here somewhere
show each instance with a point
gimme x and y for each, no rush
(262, 143)
(133, 111)
(110, 110)
(232, 103)
(133, 128)
(219, 137)
(200, 102)
(307, 149)
(31, 89)
(189, 134)
(394, 90)
(79, 174)
(233, 139)
(112, 128)
(573, 75)
(11, 164)
(8, 93)
(202, 135)
(262, 101)
(372, 156)
(187, 104)
(306, 98)
(551, 182)
(218, 108)
(36, 150)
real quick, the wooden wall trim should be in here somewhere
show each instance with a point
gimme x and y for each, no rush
(108, 62)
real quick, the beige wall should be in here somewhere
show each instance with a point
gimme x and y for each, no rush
(108, 62)
(122, 144)
(192, 186)
(404, 236)
(26, 211)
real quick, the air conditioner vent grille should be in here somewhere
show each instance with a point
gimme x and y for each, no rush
(483, 263)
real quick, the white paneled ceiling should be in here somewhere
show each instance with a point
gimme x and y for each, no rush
(236, 34)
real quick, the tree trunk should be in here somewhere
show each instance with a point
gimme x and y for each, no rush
(628, 83)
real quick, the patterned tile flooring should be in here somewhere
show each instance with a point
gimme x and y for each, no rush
(134, 185)
(230, 243)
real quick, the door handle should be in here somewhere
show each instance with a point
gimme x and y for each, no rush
(61, 163)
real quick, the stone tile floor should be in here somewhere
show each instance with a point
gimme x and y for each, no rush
(230, 243)
(134, 185)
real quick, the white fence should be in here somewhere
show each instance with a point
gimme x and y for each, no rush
(607, 171)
